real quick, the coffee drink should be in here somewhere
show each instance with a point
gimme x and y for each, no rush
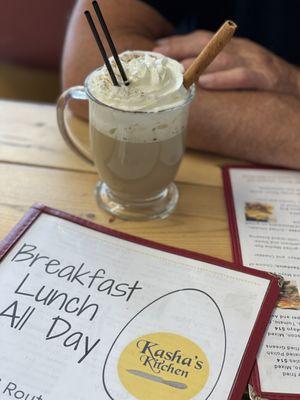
(137, 170)
(138, 131)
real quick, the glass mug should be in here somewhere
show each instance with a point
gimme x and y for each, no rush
(136, 153)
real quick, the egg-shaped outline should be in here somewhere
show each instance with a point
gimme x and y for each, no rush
(144, 308)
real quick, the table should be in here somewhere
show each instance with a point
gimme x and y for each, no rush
(37, 166)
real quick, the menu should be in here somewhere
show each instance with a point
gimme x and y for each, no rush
(90, 313)
(264, 213)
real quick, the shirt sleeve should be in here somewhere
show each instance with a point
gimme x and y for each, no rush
(173, 11)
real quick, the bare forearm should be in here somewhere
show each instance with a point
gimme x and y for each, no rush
(254, 125)
(258, 126)
(133, 25)
(292, 76)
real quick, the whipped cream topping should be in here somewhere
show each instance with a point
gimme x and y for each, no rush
(156, 83)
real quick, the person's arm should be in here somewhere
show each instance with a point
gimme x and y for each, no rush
(243, 64)
(255, 125)
(133, 25)
(261, 124)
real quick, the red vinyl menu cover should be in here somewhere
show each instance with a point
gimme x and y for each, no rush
(264, 216)
(88, 312)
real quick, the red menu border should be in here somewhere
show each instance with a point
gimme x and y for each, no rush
(237, 256)
(264, 314)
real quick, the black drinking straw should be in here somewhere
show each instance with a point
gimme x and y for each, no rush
(101, 47)
(110, 41)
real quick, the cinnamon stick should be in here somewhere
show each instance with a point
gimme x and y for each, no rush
(209, 53)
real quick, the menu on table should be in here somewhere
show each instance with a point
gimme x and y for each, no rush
(264, 214)
(88, 312)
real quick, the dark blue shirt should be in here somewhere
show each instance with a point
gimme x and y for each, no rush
(275, 24)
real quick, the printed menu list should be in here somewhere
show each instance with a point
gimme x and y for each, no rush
(84, 313)
(267, 208)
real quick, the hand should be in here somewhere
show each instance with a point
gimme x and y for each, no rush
(243, 64)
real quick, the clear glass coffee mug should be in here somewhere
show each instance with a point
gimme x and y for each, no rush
(136, 153)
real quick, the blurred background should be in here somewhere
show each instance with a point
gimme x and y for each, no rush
(31, 42)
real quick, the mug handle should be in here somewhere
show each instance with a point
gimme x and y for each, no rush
(77, 93)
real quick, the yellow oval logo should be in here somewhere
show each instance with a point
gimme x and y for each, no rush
(163, 366)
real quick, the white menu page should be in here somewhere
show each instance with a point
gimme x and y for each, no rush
(267, 206)
(85, 315)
